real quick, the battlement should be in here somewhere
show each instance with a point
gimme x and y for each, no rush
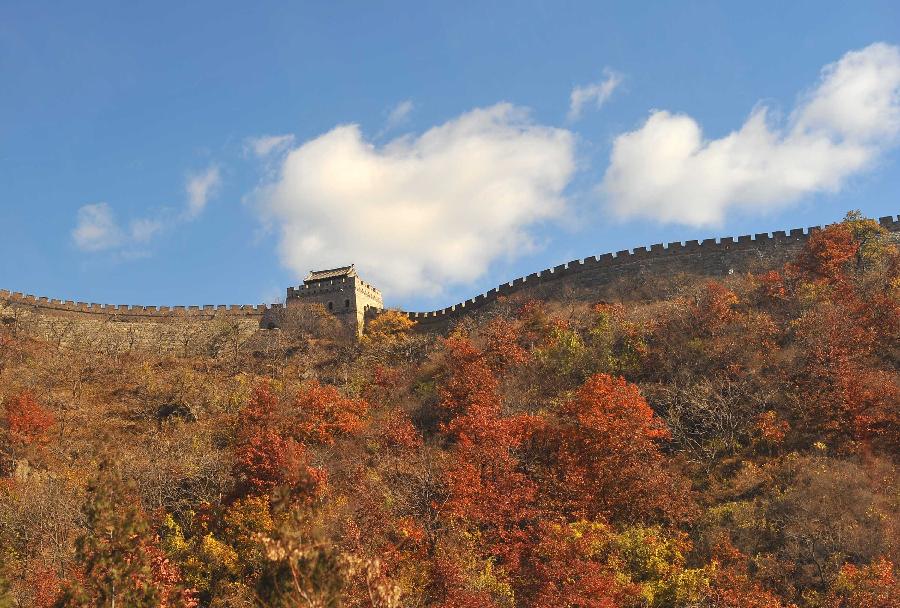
(709, 256)
(712, 256)
(330, 285)
(135, 311)
(341, 292)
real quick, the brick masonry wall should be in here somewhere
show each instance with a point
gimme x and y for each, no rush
(711, 257)
(112, 329)
(172, 327)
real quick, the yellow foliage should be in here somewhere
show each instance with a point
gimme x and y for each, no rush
(245, 520)
(389, 327)
(656, 563)
(494, 583)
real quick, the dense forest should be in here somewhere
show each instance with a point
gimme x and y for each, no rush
(683, 442)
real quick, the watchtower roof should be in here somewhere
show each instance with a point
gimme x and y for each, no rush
(333, 273)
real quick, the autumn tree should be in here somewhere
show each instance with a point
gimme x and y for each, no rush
(827, 253)
(26, 421)
(118, 559)
(390, 326)
(266, 456)
(606, 459)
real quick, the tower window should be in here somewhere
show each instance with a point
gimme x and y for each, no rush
(346, 303)
(331, 306)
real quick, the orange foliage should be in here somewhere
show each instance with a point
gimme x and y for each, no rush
(26, 420)
(715, 306)
(827, 254)
(872, 586)
(607, 461)
(265, 456)
(321, 414)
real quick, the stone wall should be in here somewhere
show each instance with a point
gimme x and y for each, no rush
(348, 298)
(174, 328)
(112, 329)
(710, 257)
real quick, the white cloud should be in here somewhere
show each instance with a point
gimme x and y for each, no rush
(597, 93)
(399, 114)
(200, 188)
(265, 145)
(420, 212)
(96, 228)
(143, 229)
(666, 170)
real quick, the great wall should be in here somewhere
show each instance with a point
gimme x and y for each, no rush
(710, 257)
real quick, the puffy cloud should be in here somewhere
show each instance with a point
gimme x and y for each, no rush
(200, 188)
(596, 93)
(420, 212)
(96, 228)
(666, 170)
(265, 145)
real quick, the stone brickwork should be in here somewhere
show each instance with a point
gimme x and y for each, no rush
(112, 329)
(341, 292)
(710, 257)
(353, 300)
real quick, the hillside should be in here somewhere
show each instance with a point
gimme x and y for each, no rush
(640, 439)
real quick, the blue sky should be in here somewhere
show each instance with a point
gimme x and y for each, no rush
(205, 152)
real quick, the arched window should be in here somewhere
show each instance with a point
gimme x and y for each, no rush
(331, 306)
(346, 303)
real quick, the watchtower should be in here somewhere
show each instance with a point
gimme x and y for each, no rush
(341, 292)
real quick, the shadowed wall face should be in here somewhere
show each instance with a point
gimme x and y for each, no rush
(711, 257)
(349, 298)
(352, 300)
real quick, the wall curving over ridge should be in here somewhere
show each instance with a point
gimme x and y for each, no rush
(713, 257)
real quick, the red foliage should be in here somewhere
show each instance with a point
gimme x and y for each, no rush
(167, 579)
(732, 588)
(386, 383)
(502, 348)
(872, 586)
(561, 572)
(399, 431)
(827, 254)
(321, 414)
(771, 285)
(265, 456)
(44, 584)
(469, 383)
(771, 428)
(840, 392)
(26, 420)
(485, 484)
(450, 590)
(607, 461)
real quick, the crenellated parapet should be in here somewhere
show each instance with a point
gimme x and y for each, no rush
(714, 257)
(345, 294)
(132, 312)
